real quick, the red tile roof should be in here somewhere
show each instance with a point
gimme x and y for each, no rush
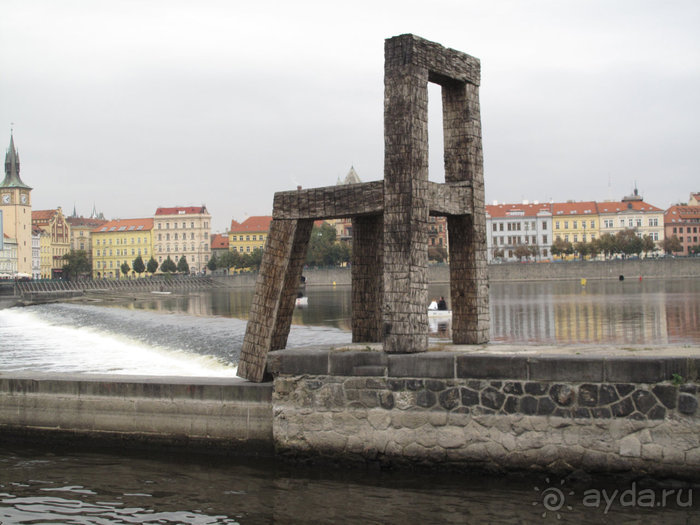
(85, 221)
(517, 210)
(219, 242)
(179, 210)
(681, 214)
(257, 223)
(574, 208)
(43, 215)
(615, 207)
(125, 225)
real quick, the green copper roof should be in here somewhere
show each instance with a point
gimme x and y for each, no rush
(12, 179)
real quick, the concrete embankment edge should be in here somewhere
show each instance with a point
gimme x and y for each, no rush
(459, 409)
(228, 416)
(688, 267)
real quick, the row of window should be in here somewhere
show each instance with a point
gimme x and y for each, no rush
(175, 236)
(688, 239)
(103, 253)
(184, 225)
(517, 226)
(176, 248)
(260, 237)
(630, 223)
(119, 241)
(514, 240)
(687, 230)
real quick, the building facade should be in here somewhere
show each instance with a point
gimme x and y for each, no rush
(56, 245)
(510, 226)
(683, 222)
(36, 252)
(8, 257)
(632, 213)
(80, 231)
(575, 222)
(249, 235)
(16, 207)
(118, 242)
(219, 244)
(183, 232)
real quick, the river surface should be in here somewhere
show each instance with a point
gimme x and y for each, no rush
(201, 335)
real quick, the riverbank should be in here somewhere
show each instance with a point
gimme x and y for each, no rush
(495, 408)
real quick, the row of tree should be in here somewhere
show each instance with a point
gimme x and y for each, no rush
(76, 265)
(625, 242)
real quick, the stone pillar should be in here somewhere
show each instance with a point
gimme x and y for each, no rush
(467, 233)
(367, 287)
(275, 291)
(405, 316)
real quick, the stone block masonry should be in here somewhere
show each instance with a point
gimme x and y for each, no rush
(390, 218)
(495, 411)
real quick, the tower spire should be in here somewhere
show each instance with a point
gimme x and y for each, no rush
(12, 179)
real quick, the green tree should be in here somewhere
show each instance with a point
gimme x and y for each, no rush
(607, 244)
(252, 259)
(648, 244)
(151, 265)
(168, 266)
(672, 245)
(125, 269)
(182, 265)
(138, 265)
(561, 247)
(437, 254)
(498, 253)
(212, 263)
(628, 242)
(324, 248)
(76, 264)
(521, 251)
(582, 249)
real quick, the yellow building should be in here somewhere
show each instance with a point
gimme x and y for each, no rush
(16, 208)
(575, 221)
(118, 242)
(250, 234)
(632, 213)
(56, 245)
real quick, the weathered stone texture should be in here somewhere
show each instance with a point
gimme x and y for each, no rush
(390, 233)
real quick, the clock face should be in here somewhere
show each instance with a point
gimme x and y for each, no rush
(23, 198)
(6, 198)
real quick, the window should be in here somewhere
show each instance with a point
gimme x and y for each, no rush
(192, 225)
(575, 224)
(494, 227)
(575, 237)
(544, 239)
(544, 225)
(653, 221)
(556, 225)
(639, 223)
(184, 226)
(192, 235)
(501, 227)
(592, 224)
(167, 225)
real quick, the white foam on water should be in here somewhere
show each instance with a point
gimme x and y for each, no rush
(29, 342)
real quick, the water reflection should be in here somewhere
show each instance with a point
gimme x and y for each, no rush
(611, 312)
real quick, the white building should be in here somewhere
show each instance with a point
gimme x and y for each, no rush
(509, 226)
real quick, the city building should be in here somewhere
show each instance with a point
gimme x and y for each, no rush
(36, 252)
(80, 229)
(575, 222)
(683, 222)
(56, 245)
(183, 232)
(219, 244)
(8, 257)
(510, 226)
(118, 242)
(343, 227)
(16, 207)
(632, 213)
(250, 234)
(437, 234)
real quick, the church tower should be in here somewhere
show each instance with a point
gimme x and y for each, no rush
(16, 206)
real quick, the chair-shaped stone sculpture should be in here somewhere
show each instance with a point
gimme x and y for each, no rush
(390, 218)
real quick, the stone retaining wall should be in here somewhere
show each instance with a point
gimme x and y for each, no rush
(499, 412)
(200, 413)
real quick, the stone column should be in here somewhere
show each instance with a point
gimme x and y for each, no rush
(275, 291)
(367, 287)
(467, 233)
(405, 316)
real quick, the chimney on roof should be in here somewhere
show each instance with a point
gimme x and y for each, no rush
(299, 187)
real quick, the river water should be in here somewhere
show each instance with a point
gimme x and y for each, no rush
(201, 334)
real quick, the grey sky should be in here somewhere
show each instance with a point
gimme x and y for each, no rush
(132, 105)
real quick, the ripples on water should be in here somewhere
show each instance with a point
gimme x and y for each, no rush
(91, 488)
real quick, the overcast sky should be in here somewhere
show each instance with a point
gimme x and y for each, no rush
(131, 105)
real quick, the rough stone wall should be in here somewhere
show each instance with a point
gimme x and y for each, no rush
(405, 197)
(491, 424)
(367, 274)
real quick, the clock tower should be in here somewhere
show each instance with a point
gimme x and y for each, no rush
(16, 206)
